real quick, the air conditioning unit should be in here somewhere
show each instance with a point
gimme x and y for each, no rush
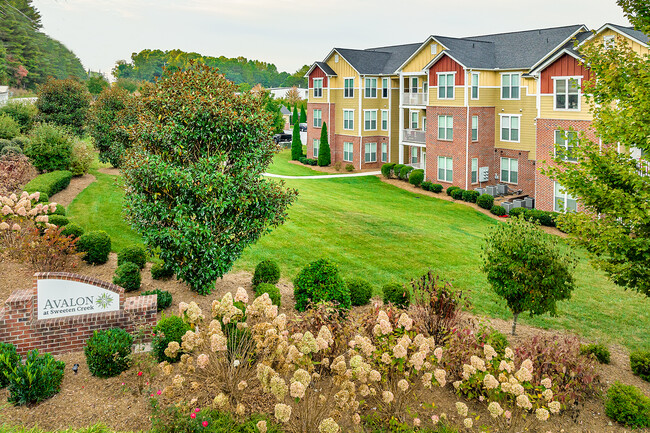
(492, 190)
(502, 188)
(508, 206)
(517, 203)
(529, 202)
(480, 190)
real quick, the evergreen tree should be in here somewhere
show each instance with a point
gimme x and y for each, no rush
(324, 155)
(303, 115)
(294, 117)
(296, 144)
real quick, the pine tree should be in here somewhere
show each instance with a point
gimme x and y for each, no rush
(296, 144)
(303, 115)
(324, 155)
(294, 117)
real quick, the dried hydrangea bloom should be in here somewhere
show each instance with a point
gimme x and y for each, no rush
(328, 425)
(308, 344)
(52, 207)
(301, 376)
(387, 397)
(15, 227)
(435, 419)
(477, 363)
(342, 397)
(261, 426)
(385, 358)
(468, 423)
(405, 322)
(326, 334)
(438, 353)
(178, 380)
(382, 316)
(202, 360)
(403, 385)
(509, 354)
(385, 327)
(166, 368)
(356, 419)
(182, 306)
(172, 349)
(547, 394)
(417, 360)
(554, 406)
(457, 384)
(293, 354)
(416, 422)
(489, 352)
(504, 366)
(297, 390)
(279, 387)
(4, 226)
(218, 343)
(282, 412)
(355, 361)
(440, 376)
(524, 375)
(524, 402)
(461, 408)
(21, 211)
(541, 414)
(490, 382)
(495, 409)
(399, 351)
(546, 382)
(468, 371)
(6, 210)
(241, 295)
(517, 389)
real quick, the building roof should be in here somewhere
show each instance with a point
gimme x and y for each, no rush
(378, 61)
(284, 110)
(4, 89)
(631, 32)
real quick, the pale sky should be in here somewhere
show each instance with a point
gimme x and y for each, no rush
(291, 33)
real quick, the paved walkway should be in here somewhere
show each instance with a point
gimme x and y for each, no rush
(327, 176)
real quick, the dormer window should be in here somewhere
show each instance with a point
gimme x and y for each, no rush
(567, 93)
(609, 41)
(318, 87)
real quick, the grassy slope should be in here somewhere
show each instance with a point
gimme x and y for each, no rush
(282, 166)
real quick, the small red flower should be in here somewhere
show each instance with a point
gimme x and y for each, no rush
(139, 373)
(204, 423)
(192, 415)
(197, 410)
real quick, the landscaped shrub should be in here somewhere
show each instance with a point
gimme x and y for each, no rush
(108, 352)
(49, 183)
(397, 169)
(426, 186)
(271, 289)
(50, 148)
(9, 359)
(266, 271)
(64, 102)
(23, 114)
(628, 405)
(58, 220)
(6, 143)
(11, 150)
(37, 379)
(640, 364)
(452, 189)
(517, 212)
(494, 338)
(470, 196)
(436, 187)
(320, 281)
(9, 128)
(338, 165)
(168, 329)
(127, 275)
(20, 141)
(457, 194)
(96, 245)
(82, 158)
(135, 254)
(498, 210)
(360, 291)
(164, 299)
(161, 272)
(404, 172)
(60, 209)
(397, 294)
(486, 201)
(73, 230)
(349, 168)
(416, 177)
(308, 161)
(387, 169)
(545, 218)
(599, 351)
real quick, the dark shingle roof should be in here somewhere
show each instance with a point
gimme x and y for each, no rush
(471, 53)
(326, 68)
(636, 34)
(377, 61)
(284, 110)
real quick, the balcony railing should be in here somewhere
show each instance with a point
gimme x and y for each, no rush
(415, 99)
(414, 136)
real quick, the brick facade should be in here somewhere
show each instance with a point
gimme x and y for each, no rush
(19, 324)
(328, 116)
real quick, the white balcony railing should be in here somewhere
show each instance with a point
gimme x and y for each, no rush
(414, 136)
(418, 99)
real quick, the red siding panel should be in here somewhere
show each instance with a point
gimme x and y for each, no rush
(317, 73)
(565, 66)
(446, 64)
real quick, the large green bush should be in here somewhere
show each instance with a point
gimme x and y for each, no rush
(451, 189)
(82, 158)
(127, 275)
(73, 230)
(320, 281)
(58, 220)
(498, 210)
(397, 168)
(108, 352)
(436, 187)
(627, 405)
(404, 172)
(168, 329)
(599, 351)
(324, 152)
(23, 114)
(486, 201)
(266, 271)
(10, 150)
(515, 212)
(96, 245)
(640, 364)
(272, 290)
(457, 194)
(386, 169)
(416, 177)
(49, 183)
(9, 128)
(8, 360)
(396, 294)
(134, 254)
(164, 298)
(35, 380)
(50, 148)
(470, 196)
(159, 271)
(360, 291)
(545, 218)
(65, 103)
(21, 141)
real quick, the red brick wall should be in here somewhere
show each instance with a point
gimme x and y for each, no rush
(328, 116)
(20, 326)
(337, 150)
(483, 148)
(454, 149)
(446, 64)
(525, 167)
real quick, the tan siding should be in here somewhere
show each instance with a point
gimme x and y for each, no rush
(459, 97)
(527, 108)
(487, 97)
(547, 111)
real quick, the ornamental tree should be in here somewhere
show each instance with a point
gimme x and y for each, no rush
(294, 116)
(194, 185)
(324, 154)
(303, 115)
(65, 103)
(526, 267)
(296, 143)
(606, 179)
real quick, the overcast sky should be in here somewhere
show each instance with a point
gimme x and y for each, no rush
(291, 33)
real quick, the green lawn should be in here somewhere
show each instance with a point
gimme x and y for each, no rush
(383, 233)
(281, 165)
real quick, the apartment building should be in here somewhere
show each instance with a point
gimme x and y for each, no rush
(472, 112)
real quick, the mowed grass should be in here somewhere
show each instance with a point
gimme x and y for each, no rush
(382, 233)
(281, 165)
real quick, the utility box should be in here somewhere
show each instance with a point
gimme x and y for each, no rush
(484, 174)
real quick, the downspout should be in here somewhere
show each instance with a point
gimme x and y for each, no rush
(400, 158)
(329, 116)
(390, 128)
(468, 131)
(360, 121)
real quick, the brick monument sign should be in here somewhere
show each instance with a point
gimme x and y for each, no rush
(62, 310)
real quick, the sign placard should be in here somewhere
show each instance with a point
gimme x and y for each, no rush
(63, 298)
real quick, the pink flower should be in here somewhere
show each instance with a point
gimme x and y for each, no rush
(159, 392)
(151, 395)
(507, 414)
(139, 373)
(197, 410)
(204, 423)
(192, 415)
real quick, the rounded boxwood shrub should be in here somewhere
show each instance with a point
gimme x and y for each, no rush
(416, 177)
(266, 271)
(9, 128)
(486, 201)
(108, 352)
(599, 351)
(426, 186)
(640, 364)
(73, 230)
(404, 172)
(498, 210)
(60, 210)
(436, 187)
(164, 299)
(470, 196)
(96, 245)
(386, 169)
(360, 291)
(135, 254)
(397, 295)
(272, 290)
(50, 147)
(127, 275)
(37, 379)
(457, 194)
(58, 220)
(20, 141)
(9, 359)
(320, 281)
(160, 271)
(11, 150)
(396, 170)
(452, 189)
(628, 405)
(518, 211)
(545, 218)
(168, 329)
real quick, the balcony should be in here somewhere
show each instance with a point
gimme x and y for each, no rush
(417, 99)
(414, 136)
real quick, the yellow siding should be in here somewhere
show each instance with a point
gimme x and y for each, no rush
(636, 47)
(318, 100)
(421, 59)
(527, 108)
(547, 111)
(488, 78)
(487, 97)
(530, 84)
(343, 70)
(458, 101)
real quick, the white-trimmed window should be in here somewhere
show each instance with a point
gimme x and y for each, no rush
(446, 83)
(384, 152)
(318, 87)
(474, 170)
(348, 151)
(414, 155)
(510, 128)
(318, 118)
(424, 123)
(348, 119)
(316, 147)
(371, 87)
(415, 119)
(509, 170)
(371, 152)
(609, 41)
(445, 127)
(475, 85)
(510, 85)
(562, 200)
(565, 142)
(348, 88)
(384, 120)
(474, 128)
(567, 93)
(370, 120)
(385, 83)
(445, 169)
